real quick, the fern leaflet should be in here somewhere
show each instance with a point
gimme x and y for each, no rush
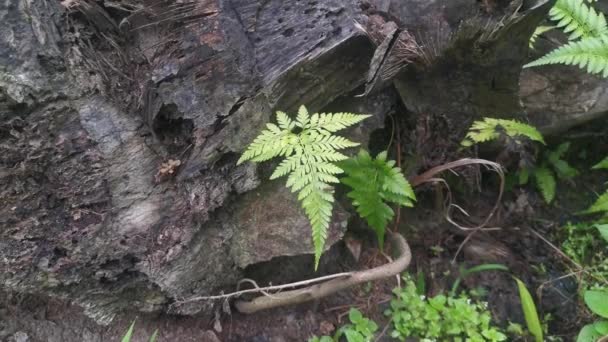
(578, 19)
(600, 205)
(309, 161)
(374, 183)
(601, 165)
(590, 54)
(537, 32)
(545, 182)
(488, 129)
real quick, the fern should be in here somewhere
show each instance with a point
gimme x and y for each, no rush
(601, 165)
(578, 20)
(588, 32)
(590, 54)
(600, 205)
(537, 32)
(545, 182)
(375, 183)
(309, 157)
(489, 129)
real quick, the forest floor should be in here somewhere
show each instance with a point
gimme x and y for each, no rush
(527, 242)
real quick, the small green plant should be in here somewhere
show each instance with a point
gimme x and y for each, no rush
(544, 174)
(441, 318)
(586, 244)
(129, 334)
(375, 182)
(588, 34)
(309, 150)
(597, 302)
(489, 129)
(552, 162)
(360, 329)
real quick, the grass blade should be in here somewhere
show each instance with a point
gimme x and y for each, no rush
(129, 334)
(530, 313)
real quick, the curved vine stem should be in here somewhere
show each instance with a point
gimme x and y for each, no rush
(326, 288)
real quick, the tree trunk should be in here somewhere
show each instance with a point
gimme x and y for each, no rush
(121, 122)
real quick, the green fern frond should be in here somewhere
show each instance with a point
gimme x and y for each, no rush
(309, 162)
(601, 165)
(537, 32)
(600, 205)
(545, 182)
(590, 54)
(578, 19)
(488, 129)
(285, 123)
(375, 183)
(334, 122)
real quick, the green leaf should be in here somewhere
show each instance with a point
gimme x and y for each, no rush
(578, 20)
(600, 205)
(154, 336)
(601, 165)
(524, 176)
(588, 334)
(284, 121)
(537, 32)
(129, 334)
(302, 119)
(488, 129)
(375, 183)
(545, 182)
(530, 313)
(564, 170)
(355, 315)
(601, 327)
(603, 229)
(590, 54)
(597, 302)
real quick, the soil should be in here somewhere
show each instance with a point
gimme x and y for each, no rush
(439, 251)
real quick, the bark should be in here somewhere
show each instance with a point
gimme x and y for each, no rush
(121, 121)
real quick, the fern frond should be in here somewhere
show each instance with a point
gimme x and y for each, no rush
(309, 162)
(601, 165)
(285, 123)
(590, 54)
(578, 19)
(374, 183)
(272, 142)
(545, 182)
(488, 129)
(334, 122)
(302, 119)
(537, 32)
(600, 205)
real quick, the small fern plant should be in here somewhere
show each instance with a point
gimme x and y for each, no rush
(552, 165)
(545, 173)
(376, 182)
(309, 150)
(587, 32)
(489, 129)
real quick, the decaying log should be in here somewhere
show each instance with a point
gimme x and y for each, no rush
(121, 122)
